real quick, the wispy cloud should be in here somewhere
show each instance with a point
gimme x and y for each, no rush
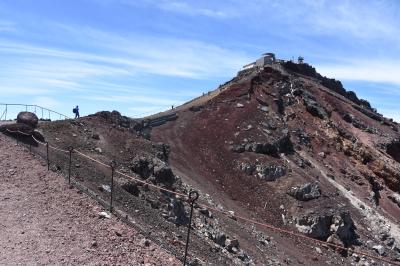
(364, 70)
(191, 10)
(131, 99)
(47, 102)
(7, 26)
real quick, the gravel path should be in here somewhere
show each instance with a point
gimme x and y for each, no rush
(43, 222)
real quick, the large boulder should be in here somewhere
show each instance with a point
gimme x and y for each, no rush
(281, 145)
(28, 118)
(305, 192)
(158, 170)
(324, 226)
(270, 172)
(315, 108)
(177, 212)
(142, 166)
(163, 174)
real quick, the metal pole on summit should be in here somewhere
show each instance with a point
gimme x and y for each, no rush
(47, 152)
(193, 196)
(113, 165)
(70, 149)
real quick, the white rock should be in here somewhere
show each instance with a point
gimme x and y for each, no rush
(380, 249)
(104, 215)
(239, 105)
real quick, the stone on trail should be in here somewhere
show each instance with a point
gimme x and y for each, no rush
(104, 215)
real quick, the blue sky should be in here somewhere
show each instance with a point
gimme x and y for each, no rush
(142, 56)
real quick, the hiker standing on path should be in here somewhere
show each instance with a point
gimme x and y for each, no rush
(76, 111)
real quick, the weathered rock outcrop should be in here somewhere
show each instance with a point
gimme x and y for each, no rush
(324, 226)
(270, 172)
(315, 108)
(305, 192)
(153, 168)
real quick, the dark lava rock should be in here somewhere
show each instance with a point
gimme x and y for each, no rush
(220, 239)
(178, 213)
(131, 188)
(28, 118)
(270, 172)
(116, 118)
(393, 149)
(158, 170)
(315, 108)
(282, 145)
(142, 166)
(238, 148)
(326, 225)
(162, 151)
(305, 192)
(248, 168)
(163, 174)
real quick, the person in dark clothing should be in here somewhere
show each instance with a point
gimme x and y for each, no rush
(76, 111)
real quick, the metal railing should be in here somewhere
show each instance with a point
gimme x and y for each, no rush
(42, 112)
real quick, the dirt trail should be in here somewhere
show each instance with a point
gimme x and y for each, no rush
(43, 222)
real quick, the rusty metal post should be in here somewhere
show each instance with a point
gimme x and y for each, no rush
(193, 196)
(70, 149)
(48, 159)
(113, 165)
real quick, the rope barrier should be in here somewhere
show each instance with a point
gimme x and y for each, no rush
(266, 225)
(269, 226)
(42, 143)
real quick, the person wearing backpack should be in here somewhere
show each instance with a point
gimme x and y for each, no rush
(76, 111)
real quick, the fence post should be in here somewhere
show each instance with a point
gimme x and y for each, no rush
(70, 149)
(193, 196)
(113, 165)
(47, 152)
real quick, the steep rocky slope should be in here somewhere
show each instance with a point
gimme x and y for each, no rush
(290, 149)
(297, 151)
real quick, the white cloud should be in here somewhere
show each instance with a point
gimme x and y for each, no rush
(151, 101)
(46, 102)
(364, 70)
(7, 26)
(191, 10)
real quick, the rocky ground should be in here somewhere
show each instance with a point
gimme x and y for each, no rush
(44, 222)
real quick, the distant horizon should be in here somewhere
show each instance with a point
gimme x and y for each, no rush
(143, 56)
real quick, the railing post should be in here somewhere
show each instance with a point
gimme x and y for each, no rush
(193, 196)
(48, 159)
(42, 112)
(113, 165)
(49, 115)
(26, 108)
(5, 117)
(70, 149)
